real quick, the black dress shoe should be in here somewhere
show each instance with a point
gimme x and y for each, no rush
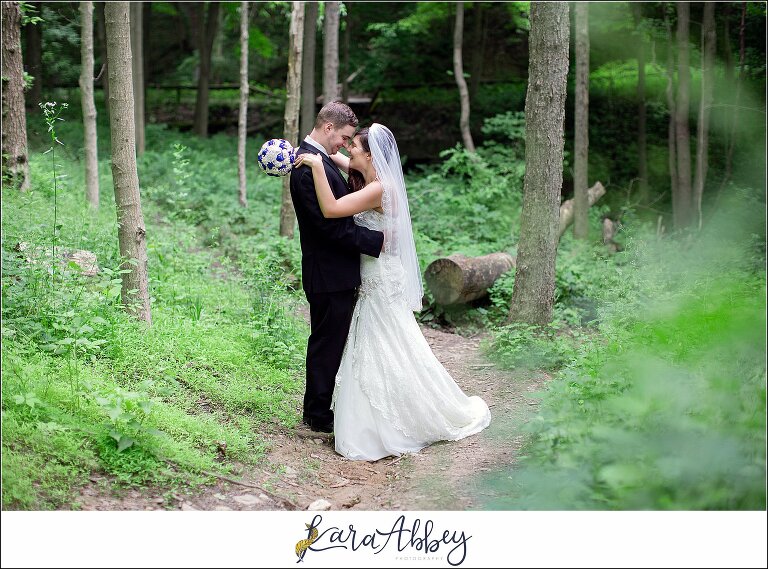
(318, 428)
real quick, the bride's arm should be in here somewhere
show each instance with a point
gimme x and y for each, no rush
(367, 198)
(341, 161)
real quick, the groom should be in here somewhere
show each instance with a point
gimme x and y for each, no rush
(330, 262)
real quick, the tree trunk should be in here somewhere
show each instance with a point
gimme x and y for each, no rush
(682, 205)
(736, 99)
(331, 52)
(308, 96)
(146, 35)
(345, 63)
(458, 279)
(670, 92)
(291, 118)
(89, 108)
(130, 220)
(15, 156)
(478, 49)
(566, 208)
(33, 55)
(458, 71)
(194, 27)
(727, 49)
(206, 34)
(729, 80)
(137, 60)
(242, 117)
(101, 32)
(581, 126)
(609, 232)
(534, 288)
(708, 46)
(642, 156)
(217, 48)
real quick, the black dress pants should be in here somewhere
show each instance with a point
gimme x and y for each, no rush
(330, 318)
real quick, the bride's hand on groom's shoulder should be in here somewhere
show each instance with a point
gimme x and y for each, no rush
(308, 159)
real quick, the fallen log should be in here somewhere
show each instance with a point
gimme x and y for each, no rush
(85, 261)
(566, 208)
(457, 279)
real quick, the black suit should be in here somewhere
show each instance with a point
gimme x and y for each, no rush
(330, 275)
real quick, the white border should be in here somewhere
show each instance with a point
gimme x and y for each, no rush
(497, 539)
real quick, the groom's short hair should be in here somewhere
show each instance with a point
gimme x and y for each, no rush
(336, 113)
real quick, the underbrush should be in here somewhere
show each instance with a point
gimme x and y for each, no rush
(667, 410)
(88, 388)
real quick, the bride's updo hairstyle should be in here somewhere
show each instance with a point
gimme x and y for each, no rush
(356, 180)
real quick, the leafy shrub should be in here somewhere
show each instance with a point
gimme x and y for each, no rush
(665, 409)
(530, 347)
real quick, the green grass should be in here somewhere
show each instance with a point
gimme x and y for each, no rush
(86, 388)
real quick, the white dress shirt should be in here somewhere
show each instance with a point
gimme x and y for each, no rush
(312, 142)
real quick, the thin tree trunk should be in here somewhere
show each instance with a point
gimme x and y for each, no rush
(195, 27)
(130, 220)
(15, 156)
(33, 56)
(331, 52)
(670, 92)
(458, 71)
(206, 34)
(292, 104)
(534, 287)
(729, 80)
(682, 213)
(581, 126)
(642, 156)
(217, 49)
(345, 63)
(709, 44)
(308, 95)
(736, 100)
(89, 108)
(146, 34)
(566, 208)
(727, 49)
(137, 60)
(242, 117)
(101, 32)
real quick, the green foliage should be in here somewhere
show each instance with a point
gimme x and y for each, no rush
(29, 14)
(519, 12)
(667, 409)
(29, 80)
(470, 203)
(61, 42)
(133, 466)
(520, 345)
(86, 387)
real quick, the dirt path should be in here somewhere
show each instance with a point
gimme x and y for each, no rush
(301, 467)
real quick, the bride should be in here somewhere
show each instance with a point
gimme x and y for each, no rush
(392, 396)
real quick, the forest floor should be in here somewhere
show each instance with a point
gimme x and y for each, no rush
(302, 467)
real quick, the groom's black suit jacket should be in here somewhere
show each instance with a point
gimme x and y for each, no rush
(330, 269)
(330, 248)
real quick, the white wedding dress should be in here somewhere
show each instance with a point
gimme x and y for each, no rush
(392, 396)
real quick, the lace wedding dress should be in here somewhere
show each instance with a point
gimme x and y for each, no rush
(392, 396)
